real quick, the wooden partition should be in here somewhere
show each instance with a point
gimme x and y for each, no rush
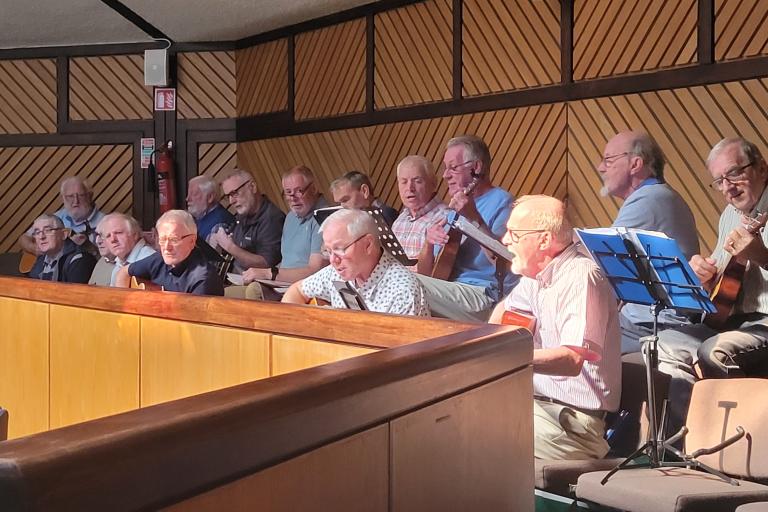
(433, 415)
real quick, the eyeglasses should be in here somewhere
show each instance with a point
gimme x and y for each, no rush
(172, 240)
(735, 175)
(608, 160)
(297, 192)
(236, 192)
(512, 234)
(340, 253)
(454, 169)
(47, 231)
(72, 197)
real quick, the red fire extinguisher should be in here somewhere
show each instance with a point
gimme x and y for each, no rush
(165, 185)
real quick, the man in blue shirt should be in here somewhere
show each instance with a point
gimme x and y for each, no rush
(632, 169)
(203, 203)
(473, 287)
(179, 266)
(79, 214)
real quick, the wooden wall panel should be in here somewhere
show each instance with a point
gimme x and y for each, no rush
(413, 54)
(108, 88)
(510, 45)
(206, 87)
(328, 154)
(330, 70)
(262, 78)
(28, 96)
(30, 177)
(740, 29)
(528, 148)
(216, 160)
(686, 122)
(615, 37)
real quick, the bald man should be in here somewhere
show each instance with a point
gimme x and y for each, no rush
(576, 359)
(632, 169)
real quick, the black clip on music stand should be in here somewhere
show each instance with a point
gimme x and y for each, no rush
(648, 269)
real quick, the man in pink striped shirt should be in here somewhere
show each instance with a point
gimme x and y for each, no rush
(576, 357)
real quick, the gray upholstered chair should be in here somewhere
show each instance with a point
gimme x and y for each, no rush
(717, 408)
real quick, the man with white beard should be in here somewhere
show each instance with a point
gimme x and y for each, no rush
(632, 169)
(203, 202)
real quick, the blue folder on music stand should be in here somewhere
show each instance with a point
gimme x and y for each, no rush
(645, 268)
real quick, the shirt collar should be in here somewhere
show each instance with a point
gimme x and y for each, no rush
(546, 276)
(90, 218)
(653, 180)
(431, 205)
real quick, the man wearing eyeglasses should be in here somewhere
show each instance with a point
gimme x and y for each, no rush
(255, 238)
(59, 258)
(179, 266)
(740, 347)
(473, 287)
(79, 214)
(632, 169)
(576, 359)
(357, 259)
(354, 190)
(301, 240)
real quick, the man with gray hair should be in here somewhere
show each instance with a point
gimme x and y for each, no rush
(203, 203)
(79, 214)
(417, 185)
(360, 264)
(354, 190)
(475, 279)
(740, 346)
(60, 259)
(179, 266)
(576, 360)
(122, 234)
(632, 169)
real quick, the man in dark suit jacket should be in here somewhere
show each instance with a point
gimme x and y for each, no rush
(60, 259)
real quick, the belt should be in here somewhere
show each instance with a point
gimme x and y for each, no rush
(588, 412)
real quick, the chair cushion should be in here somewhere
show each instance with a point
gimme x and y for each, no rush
(667, 490)
(556, 476)
(760, 506)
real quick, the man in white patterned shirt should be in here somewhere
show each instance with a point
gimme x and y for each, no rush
(358, 260)
(417, 184)
(576, 357)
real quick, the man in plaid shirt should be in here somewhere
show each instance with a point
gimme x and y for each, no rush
(417, 185)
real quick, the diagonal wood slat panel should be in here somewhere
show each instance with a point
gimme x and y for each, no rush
(216, 160)
(262, 78)
(30, 177)
(686, 122)
(413, 54)
(108, 88)
(509, 45)
(328, 154)
(330, 71)
(206, 85)
(528, 148)
(28, 96)
(740, 29)
(616, 37)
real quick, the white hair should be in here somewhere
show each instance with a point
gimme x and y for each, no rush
(207, 185)
(131, 224)
(181, 217)
(358, 223)
(76, 180)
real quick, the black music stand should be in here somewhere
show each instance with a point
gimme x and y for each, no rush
(649, 268)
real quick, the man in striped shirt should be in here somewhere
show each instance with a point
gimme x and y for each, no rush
(576, 357)
(740, 173)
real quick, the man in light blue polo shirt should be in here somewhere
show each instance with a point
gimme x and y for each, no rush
(79, 214)
(301, 240)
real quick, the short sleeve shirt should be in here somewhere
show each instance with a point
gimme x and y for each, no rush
(261, 232)
(301, 237)
(391, 288)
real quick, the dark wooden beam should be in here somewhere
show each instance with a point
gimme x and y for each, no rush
(292, 76)
(135, 19)
(93, 50)
(370, 58)
(458, 27)
(566, 41)
(705, 49)
(62, 93)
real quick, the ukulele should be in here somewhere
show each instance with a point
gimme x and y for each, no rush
(446, 258)
(138, 283)
(728, 280)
